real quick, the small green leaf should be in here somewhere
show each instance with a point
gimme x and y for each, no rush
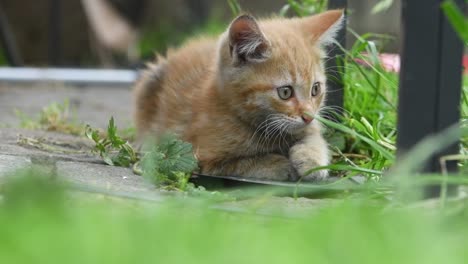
(381, 6)
(338, 140)
(107, 159)
(284, 10)
(169, 158)
(235, 7)
(456, 18)
(388, 155)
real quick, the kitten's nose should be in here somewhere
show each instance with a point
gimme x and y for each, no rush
(307, 119)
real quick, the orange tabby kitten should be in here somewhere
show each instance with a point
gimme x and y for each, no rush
(240, 99)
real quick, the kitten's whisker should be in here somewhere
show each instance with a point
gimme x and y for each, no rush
(253, 138)
(271, 138)
(264, 136)
(284, 126)
(257, 129)
(286, 129)
(276, 133)
(264, 128)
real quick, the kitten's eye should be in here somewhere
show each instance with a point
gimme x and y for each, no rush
(285, 92)
(316, 89)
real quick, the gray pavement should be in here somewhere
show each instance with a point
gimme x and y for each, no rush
(93, 105)
(70, 157)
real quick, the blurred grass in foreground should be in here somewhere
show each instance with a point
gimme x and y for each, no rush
(39, 223)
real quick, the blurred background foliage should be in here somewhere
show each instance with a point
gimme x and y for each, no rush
(158, 25)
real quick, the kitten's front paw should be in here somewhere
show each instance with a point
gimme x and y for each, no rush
(316, 176)
(304, 158)
(280, 169)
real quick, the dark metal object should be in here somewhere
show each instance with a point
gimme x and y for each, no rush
(8, 41)
(55, 32)
(430, 80)
(335, 71)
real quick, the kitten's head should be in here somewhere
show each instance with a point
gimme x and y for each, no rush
(274, 69)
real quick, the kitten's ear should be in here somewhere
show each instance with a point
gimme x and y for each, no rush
(246, 41)
(324, 26)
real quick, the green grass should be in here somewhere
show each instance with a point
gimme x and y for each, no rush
(367, 129)
(456, 18)
(368, 123)
(41, 224)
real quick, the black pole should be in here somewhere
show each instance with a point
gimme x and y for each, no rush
(55, 32)
(430, 80)
(8, 41)
(335, 70)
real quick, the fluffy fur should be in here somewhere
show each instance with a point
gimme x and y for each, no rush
(222, 96)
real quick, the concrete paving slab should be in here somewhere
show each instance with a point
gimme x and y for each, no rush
(10, 163)
(93, 105)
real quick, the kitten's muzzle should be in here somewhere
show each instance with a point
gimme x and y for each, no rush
(307, 119)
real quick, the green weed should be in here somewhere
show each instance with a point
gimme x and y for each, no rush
(382, 6)
(58, 117)
(112, 148)
(167, 163)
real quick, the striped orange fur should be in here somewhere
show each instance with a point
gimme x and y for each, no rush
(240, 98)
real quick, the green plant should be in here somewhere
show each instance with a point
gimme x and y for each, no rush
(366, 129)
(460, 23)
(382, 6)
(235, 7)
(456, 18)
(54, 117)
(113, 149)
(169, 163)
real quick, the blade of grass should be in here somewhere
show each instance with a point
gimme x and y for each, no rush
(342, 167)
(416, 157)
(456, 18)
(235, 7)
(387, 154)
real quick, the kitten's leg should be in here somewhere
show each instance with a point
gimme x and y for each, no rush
(268, 167)
(310, 152)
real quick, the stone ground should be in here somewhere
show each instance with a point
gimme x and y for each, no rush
(93, 105)
(70, 157)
